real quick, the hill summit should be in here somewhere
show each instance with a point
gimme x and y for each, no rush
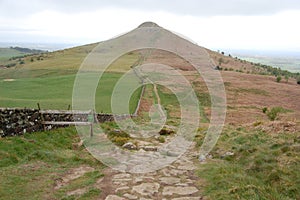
(148, 24)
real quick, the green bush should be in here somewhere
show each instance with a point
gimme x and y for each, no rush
(120, 141)
(273, 113)
(265, 109)
(161, 139)
(118, 137)
(278, 79)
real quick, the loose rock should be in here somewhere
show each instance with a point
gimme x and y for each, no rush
(114, 197)
(129, 146)
(170, 190)
(146, 188)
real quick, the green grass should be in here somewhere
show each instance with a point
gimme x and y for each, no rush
(264, 166)
(62, 60)
(171, 104)
(273, 112)
(48, 79)
(21, 73)
(30, 164)
(55, 92)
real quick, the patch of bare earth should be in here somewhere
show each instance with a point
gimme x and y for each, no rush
(105, 184)
(72, 175)
(8, 80)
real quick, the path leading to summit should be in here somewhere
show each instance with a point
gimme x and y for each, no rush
(177, 181)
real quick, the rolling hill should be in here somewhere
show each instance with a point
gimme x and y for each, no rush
(14, 53)
(256, 156)
(249, 86)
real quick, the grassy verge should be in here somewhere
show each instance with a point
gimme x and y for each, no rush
(31, 164)
(264, 166)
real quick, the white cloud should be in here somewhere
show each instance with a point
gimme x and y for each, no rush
(244, 32)
(20, 8)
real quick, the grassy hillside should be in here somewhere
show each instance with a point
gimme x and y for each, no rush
(49, 78)
(252, 159)
(251, 163)
(46, 165)
(15, 53)
(7, 53)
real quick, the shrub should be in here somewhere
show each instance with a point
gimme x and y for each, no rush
(118, 137)
(218, 68)
(257, 123)
(120, 141)
(273, 113)
(286, 77)
(278, 79)
(265, 109)
(10, 65)
(161, 139)
(298, 80)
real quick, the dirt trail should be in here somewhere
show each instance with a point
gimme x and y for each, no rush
(175, 182)
(161, 112)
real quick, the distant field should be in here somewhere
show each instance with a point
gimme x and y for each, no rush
(7, 53)
(285, 63)
(55, 92)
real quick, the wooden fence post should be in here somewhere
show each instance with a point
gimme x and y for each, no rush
(91, 119)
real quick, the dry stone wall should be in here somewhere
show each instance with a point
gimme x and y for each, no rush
(19, 121)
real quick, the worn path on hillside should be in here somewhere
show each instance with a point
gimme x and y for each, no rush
(176, 181)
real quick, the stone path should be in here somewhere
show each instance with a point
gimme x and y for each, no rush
(175, 182)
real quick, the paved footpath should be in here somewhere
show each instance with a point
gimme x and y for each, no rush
(175, 182)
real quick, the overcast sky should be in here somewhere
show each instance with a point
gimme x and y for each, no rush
(216, 24)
